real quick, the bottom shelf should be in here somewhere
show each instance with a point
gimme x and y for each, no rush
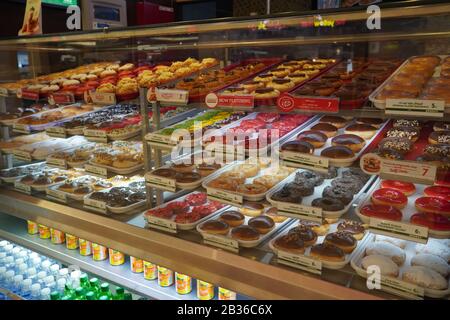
(15, 230)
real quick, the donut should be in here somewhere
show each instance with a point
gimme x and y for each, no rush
(327, 252)
(298, 146)
(281, 84)
(440, 149)
(341, 239)
(196, 199)
(441, 126)
(438, 192)
(352, 141)
(410, 133)
(245, 233)
(433, 205)
(328, 204)
(439, 137)
(331, 174)
(224, 184)
(375, 122)
(389, 197)
(300, 189)
(187, 177)
(320, 228)
(263, 224)
(165, 212)
(337, 152)
(316, 138)
(355, 173)
(338, 193)
(284, 195)
(251, 188)
(249, 170)
(237, 176)
(365, 131)
(336, 121)
(215, 227)
(290, 243)
(355, 228)
(326, 128)
(407, 188)
(166, 173)
(381, 212)
(315, 178)
(232, 218)
(273, 213)
(401, 145)
(183, 167)
(251, 209)
(433, 221)
(406, 123)
(266, 93)
(178, 206)
(352, 184)
(305, 233)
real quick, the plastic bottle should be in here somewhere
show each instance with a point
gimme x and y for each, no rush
(68, 291)
(75, 279)
(25, 290)
(40, 277)
(16, 252)
(8, 248)
(3, 244)
(90, 295)
(31, 273)
(35, 291)
(84, 282)
(50, 283)
(45, 294)
(18, 278)
(60, 285)
(35, 262)
(120, 294)
(45, 265)
(9, 279)
(95, 286)
(79, 294)
(66, 298)
(104, 298)
(2, 258)
(104, 289)
(55, 295)
(63, 274)
(9, 262)
(24, 255)
(33, 255)
(54, 270)
(2, 275)
(128, 296)
(22, 269)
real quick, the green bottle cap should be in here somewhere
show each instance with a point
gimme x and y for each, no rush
(54, 295)
(84, 277)
(103, 298)
(66, 298)
(90, 295)
(94, 281)
(128, 296)
(105, 286)
(120, 290)
(79, 291)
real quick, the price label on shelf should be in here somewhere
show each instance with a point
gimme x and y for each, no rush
(21, 128)
(244, 101)
(300, 262)
(306, 161)
(22, 187)
(98, 206)
(178, 97)
(161, 224)
(56, 132)
(161, 182)
(401, 288)
(221, 242)
(415, 107)
(398, 229)
(56, 195)
(103, 172)
(59, 163)
(163, 139)
(225, 197)
(61, 98)
(3, 92)
(96, 135)
(287, 103)
(299, 211)
(22, 155)
(103, 98)
(409, 171)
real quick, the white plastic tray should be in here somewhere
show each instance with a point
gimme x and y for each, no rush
(13, 179)
(410, 253)
(408, 211)
(317, 151)
(118, 170)
(318, 194)
(327, 264)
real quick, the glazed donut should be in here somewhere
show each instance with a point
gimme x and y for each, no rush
(337, 152)
(381, 212)
(326, 128)
(352, 183)
(343, 240)
(328, 252)
(389, 197)
(355, 228)
(314, 177)
(365, 131)
(251, 209)
(166, 173)
(298, 146)
(232, 218)
(438, 192)
(251, 188)
(316, 138)
(352, 141)
(262, 224)
(237, 176)
(336, 121)
(433, 205)
(406, 188)
(215, 227)
(433, 221)
(245, 233)
(339, 193)
(305, 233)
(439, 137)
(224, 184)
(290, 243)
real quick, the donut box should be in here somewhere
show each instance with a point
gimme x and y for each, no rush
(430, 82)
(236, 197)
(298, 156)
(194, 208)
(401, 227)
(305, 262)
(252, 133)
(392, 281)
(305, 209)
(230, 243)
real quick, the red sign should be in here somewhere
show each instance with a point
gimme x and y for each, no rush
(287, 102)
(27, 94)
(213, 100)
(61, 98)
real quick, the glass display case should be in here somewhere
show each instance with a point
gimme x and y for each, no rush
(352, 105)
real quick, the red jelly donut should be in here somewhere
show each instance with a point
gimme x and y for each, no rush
(389, 197)
(381, 212)
(407, 188)
(438, 192)
(433, 221)
(433, 205)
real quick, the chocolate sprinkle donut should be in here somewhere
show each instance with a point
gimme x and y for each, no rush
(302, 189)
(315, 177)
(338, 192)
(328, 204)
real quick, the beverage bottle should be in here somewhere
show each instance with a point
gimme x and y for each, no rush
(40, 277)
(45, 294)
(24, 255)
(60, 286)
(54, 270)
(35, 262)
(16, 251)
(104, 290)
(9, 279)
(75, 279)
(45, 265)
(33, 255)
(55, 295)
(90, 295)
(50, 283)
(120, 294)
(66, 298)
(8, 248)
(128, 296)
(18, 278)
(68, 291)
(63, 274)
(22, 269)
(31, 273)
(95, 286)
(2, 275)
(35, 291)
(79, 294)
(3, 244)
(84, 282)
(104, 298)
(9, 262)
(2, 258)
(25, 290)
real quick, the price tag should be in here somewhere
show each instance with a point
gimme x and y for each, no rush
(161, 224)
(398, 229)
(21, 128)
(225, 197)
(56, 195)
(415, 107)
(95, 204)
(103, 98)
(306, 161)
(59, 163)
(179, 97)
(99, 171)
(300, 262)
(57, 132)
(409, 171)
(61, 98)
(3, 92)
(96, 135)
(221, 242)
(401, 288)
(246, 101)
(161, 182)
(164, 139)
(287, 103)
(21, 187)
(299, 211)
(22, 155)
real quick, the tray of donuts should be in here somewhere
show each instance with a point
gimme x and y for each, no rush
(40, 180)
(11, 175)
(184, 213)
(337, 140)
(426, 208)
(330, 245)
(246, 227)
(319, 195)
(183, 173)
(407, 269)
(247, 180)
(419, 77)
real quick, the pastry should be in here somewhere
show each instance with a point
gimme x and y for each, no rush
(166, 173)
(343, 240)
(266, 93)
(336, 121)
(386, 265)
(355, 228)
(187, 177)
(305, 233)
(401, 145)
(263, 224)
(406, 123)
(178, 207)
(251, 188)
(183, 167)
(438, 192)
(410, 133)
(252, 209)
(68, 186)
(207, 169)
(224, 184)
(337, 152)
(273, 213)
(365, 131)
(375, 122)
(389, 197)
(267, 180)
(437, 137)
(442, 150)
(381, 212)
(290, 243)
(406, 188)
(396, 242)
(245, 233)
(281, 84)
(352, 141)
(249, 170)
(431, 261)
(435, 247)
(315, 178)
(327, 252)
(388, 250)
(316, 138)
(424, 277)
(433, 221)
(237, 176)
(300, 188)
(339, 193)
(328, 204)
(215, 227)
(252, 85)
(352, 184)
(441, 126)
(433, 205)
(320, 229)
(298, 146)
(232, 218)
(326, 128)
(196, 199)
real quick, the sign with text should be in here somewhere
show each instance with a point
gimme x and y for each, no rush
(61, 98)
(161, 182)
(221, 242)
(28, 94)
(398, 229)
(415, 107)
(299, 211)
(300, 262)
(246, 101)
(103, 98)
(287, 102)
(172, 96)
(225, 197)
(306, 161)
(409, 171)
(161, 224)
